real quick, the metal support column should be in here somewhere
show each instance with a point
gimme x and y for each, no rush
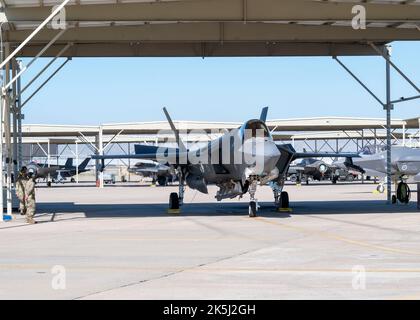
(77, 162)
(404, 134)
(388, 108)
(7, 136)
(418, 195)
(419, 133)
(48, 160)
(99, 151)
(14, 121)
(19, 122)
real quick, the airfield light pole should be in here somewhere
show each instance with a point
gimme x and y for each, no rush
(388, 107)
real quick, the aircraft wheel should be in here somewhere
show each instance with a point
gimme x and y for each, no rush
(350, 178)
(252, 209)
(72, 180)
(173, 201)
(162, 181)
(394, 199)
(403, 192)
(284, 200)
(49, 184)
(380, 188)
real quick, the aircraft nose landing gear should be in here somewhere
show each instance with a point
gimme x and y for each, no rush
(253, 204)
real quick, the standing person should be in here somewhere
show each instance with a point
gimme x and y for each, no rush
(30, 197)
(20, 189)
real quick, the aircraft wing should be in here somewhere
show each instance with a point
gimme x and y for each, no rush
(62, 170)
(144, 152)
(409, 167)
(151, 170)
(300, 155)
(146, 156)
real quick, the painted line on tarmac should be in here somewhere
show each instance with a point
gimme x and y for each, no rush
(328, 235)
(200, 269)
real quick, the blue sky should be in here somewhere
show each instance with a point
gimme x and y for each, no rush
(93, 91)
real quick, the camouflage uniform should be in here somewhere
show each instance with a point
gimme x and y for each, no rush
(20, 193)
(30, 200)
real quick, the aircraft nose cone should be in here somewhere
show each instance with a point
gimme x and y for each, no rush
(264, 154)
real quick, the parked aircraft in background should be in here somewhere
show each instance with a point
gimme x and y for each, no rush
(309, 168)
(315, 169)
(58, 173)
(405, 166)
(160, 173)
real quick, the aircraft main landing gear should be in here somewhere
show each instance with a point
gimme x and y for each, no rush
(284, 200)
(176, 200)
(403, 192)
(173, 201)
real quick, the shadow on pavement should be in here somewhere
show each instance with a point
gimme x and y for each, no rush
(223, 209)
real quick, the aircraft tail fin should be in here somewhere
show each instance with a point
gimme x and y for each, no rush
(84, 164)
(69, 163)
(181, 145)
(264, 112)
(350, 165)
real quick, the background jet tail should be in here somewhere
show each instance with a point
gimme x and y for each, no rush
(69, 163)
(350, 165)
(84, 164)
(181, 145)
(263, 116)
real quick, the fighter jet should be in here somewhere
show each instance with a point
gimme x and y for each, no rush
(58, 173)
(160, 173)
(310, 168)
(236, 163)
(405, 164)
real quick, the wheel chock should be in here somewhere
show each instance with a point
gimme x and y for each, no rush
(7, 218)
(284, 210)
(375, 192)
(174, 211)
(298, 184)
(152, 186)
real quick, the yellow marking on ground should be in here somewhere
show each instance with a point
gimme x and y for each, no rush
(339, 238)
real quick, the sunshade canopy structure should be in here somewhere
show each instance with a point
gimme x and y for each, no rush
(211, 28)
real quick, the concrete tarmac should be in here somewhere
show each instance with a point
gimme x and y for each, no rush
(339, 242)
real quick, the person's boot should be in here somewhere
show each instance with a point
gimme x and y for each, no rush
(31, 220)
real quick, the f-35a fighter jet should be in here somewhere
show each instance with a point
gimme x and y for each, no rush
(405, 165)
(236, 162)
